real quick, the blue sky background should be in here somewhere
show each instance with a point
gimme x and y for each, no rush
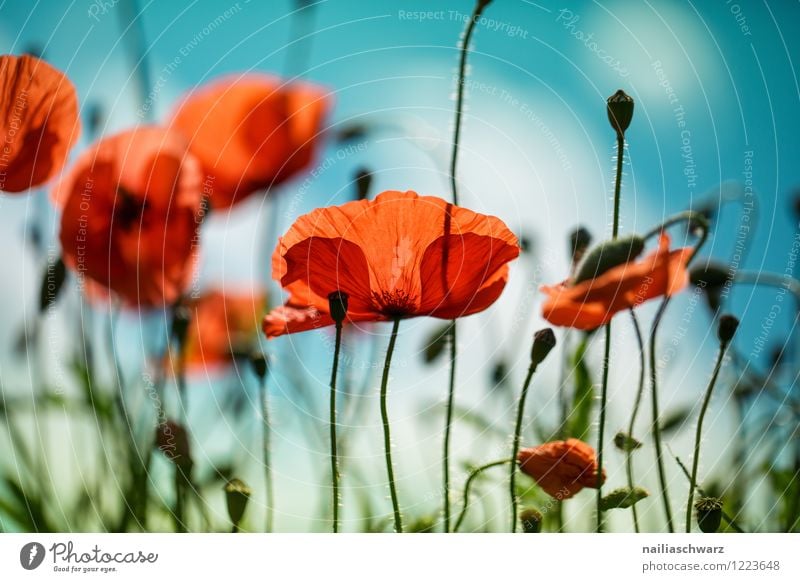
(536, 150)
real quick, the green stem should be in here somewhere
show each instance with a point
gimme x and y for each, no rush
(472, 476)
(451, 391)
(387, 438)
(512, 485)
(266, 444)
(699, 433)
(334, 456)
(656, 427)
(636, 404)
(618, 184)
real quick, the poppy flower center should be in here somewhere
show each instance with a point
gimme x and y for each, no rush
(129, 210)
(396, 303)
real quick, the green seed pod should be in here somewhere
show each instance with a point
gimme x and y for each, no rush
(709, 514)
(237, 494)
(531, 520)
(623, 498)
(607, 255)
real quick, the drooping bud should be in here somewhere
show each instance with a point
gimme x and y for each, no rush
(709, 514)
(620, 111)
(579, 241)
(259, 362)
(52, 282)
(626, 443)
(712, 277)
(363, 180)
(727, 328)
(623, 498)
(607, 255)
(531, 520)
(337, 304)
(544, 341)
(237, 494)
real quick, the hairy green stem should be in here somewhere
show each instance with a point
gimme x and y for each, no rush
(387, 438)
(451, 393)
(636, 404)
(334, 456)
(467, 486)
(266, 446)
(512, 485)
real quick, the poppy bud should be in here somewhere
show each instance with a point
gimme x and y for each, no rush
(544, 340)
(337, 303)
(620, 111)
(181, 315)
(525, 244)
(623, 498)
(727, 328)
(95, 117)
(500, 373)
(626, 443)
(237, 494)
(531, 520)
(259, 362)
(52, 282)
(579, 241)
(436, 343)
(173, 440)
(713, 277)
(607, 255)
(363, 179)
(709, 514)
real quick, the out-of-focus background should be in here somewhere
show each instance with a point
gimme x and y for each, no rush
(717, 101)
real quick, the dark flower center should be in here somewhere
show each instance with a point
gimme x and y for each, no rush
(397, 303)
(129, 210)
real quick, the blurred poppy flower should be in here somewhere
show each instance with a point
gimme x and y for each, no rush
(222, 325)
(251, 132)
(131, 208)
(561, 468)
(593, 302)
(392, 259)
(38, 121)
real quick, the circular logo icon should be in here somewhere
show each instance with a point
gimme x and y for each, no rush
(31, 555)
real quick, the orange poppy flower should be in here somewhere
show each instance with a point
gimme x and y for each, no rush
(222, 325)
(593, 302)
(38, 122)
(131, 208)
(561, 468)
(251, 132)
(391, 257)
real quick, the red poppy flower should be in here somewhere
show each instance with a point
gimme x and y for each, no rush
(38, 122)
(131, 210)
(222, 325)
(392, 258)
(251, 132)
(561, 468)
(594, 302)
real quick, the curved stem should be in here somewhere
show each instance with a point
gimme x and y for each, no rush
(451, 391)
(468, 484)
(636, 404)
(515, 447)
(334, 457)
(387, 438)
(266, 445)
(699, 433)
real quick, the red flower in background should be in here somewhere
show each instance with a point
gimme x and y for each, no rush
(561, 468)
(251, 132)
(131, 207)
(594, 302)
(38, 122)
(391, 257)
(222, 325)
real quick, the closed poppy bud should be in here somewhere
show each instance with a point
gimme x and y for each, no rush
(259, 362)
(579, 241)
(53, 280)
(237, 494)
(544, 341)
(363, 180)
(625, 442)
(338, 306)
(713, 277)
(727, 328)
(620, 111)
(623, 498)
(608, 255)
(531, 520)
(709, 514)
